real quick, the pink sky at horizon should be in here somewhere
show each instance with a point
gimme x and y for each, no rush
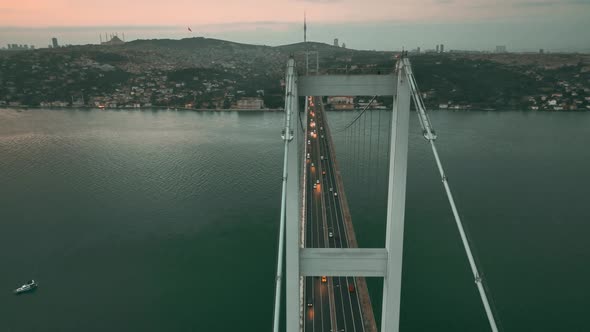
(45, 13)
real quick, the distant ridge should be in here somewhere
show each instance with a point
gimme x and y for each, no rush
(312, 46)
(188, 43)
(202, 42)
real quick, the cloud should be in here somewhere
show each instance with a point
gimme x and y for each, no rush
(320, 1)
(548, 3)
(534, 4)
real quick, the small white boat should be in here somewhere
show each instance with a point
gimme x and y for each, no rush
(28, 287)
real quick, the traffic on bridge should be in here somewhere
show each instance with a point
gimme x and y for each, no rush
(332, 302)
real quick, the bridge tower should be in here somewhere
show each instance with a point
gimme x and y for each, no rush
(354, 262)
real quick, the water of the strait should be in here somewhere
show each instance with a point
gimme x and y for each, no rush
(167, 221)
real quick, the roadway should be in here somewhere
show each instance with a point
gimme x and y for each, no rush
(332, 303)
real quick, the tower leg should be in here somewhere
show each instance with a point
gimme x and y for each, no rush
(396, 204)
(293, 208)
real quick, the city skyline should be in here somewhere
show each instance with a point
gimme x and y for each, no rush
(521, 25)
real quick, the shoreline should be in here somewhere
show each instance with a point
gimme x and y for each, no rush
(177, 109)
(151, 108)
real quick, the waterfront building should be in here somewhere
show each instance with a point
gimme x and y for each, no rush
(249, 103)
(341, 102)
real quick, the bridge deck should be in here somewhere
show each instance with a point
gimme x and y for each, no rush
(333, 303)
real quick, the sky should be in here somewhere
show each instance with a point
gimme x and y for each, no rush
(521, 25)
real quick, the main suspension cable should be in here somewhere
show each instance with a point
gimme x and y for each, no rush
(358, 116)
(430, 135)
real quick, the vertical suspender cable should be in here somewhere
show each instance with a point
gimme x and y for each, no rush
(348, 151)
(354, 157)
(358, 168)
(377, 169)
(364, 159)
(430, 135)
(351, 161)
(370, 154)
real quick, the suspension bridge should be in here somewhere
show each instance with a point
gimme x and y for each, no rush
(319, 263)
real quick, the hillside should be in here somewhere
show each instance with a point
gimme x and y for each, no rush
(213, 73)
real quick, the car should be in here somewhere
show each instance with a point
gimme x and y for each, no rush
(308, 142)
(324, 279)
(331, 189)
(351, 288)
(322, 157)
(335, 194)
(314, 186)
(324, 172)
(311, 164)
(317, 181)
(308, 156)
(310, 304)
(330, 234)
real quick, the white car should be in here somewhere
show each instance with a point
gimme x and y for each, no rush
(331, 189)
(330, 234)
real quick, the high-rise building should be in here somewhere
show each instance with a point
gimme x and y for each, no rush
(418, 50)
(437, 48)
(541, 51)
(54, 42)
(442, 48)
(336, 42)
(343, 45)
(500, 49)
